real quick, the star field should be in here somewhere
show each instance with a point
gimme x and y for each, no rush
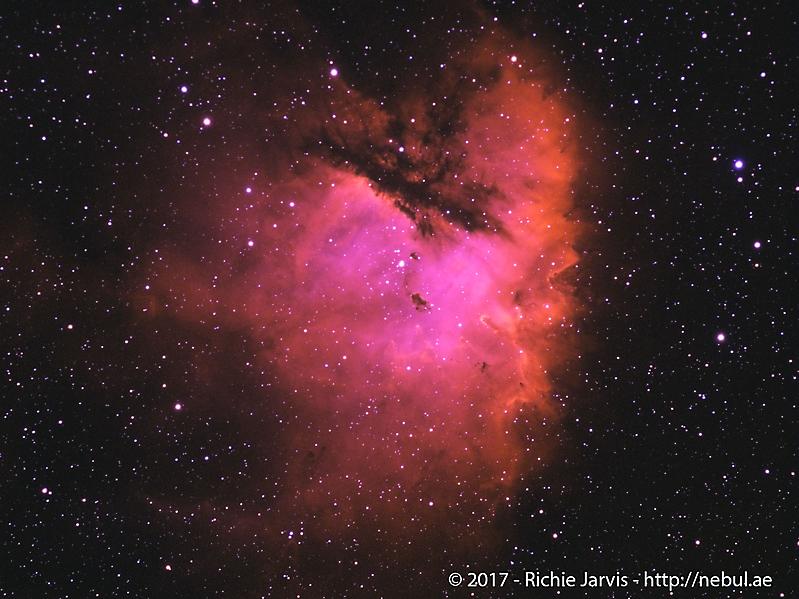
(335, 299)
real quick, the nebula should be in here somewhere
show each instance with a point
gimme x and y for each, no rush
(402, 269)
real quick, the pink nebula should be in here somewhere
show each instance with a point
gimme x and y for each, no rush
(406, 283)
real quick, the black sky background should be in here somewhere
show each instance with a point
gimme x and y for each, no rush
(670, 437)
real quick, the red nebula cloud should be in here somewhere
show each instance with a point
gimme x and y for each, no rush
(403, 281)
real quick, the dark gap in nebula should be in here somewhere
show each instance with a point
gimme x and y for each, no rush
(418, 185)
